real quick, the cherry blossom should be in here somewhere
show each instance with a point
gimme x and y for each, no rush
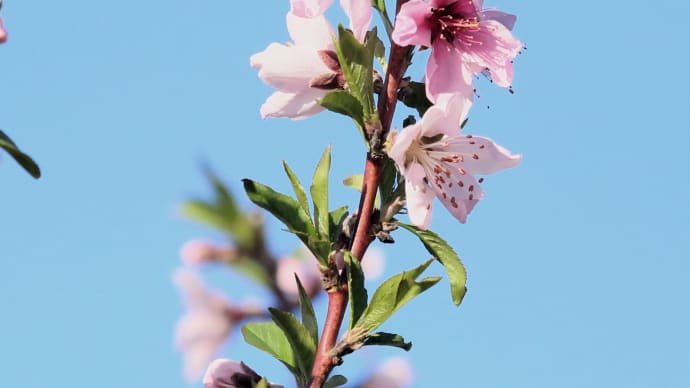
(3, 33)
(196, 252)
(225, 373)
(307, 271)
(207, 323)
(358, 11)
(303, 72)
(438, 161)
(465, 40)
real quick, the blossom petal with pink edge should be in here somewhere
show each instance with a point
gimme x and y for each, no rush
(359, 12)
(497, 49)
(446, 115)
(507, 19)
(411, 24)
(315, 33)
(288, 68)
(447, 73)
(419, 196)
(309, 8)
(297, 106)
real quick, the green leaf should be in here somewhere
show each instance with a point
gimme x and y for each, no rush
(302, 343)
(320, 248)
(356, 289)
(307, 310)
(444, 253)
(319, 194)
(267, 336)
(20, 157)
(391, 182)
(284, 208)
(414, 96)
(335, 381)
(392, 295)
(341, 101)
(297, 187)
(337, 217)
(263, 383)
(354, 181)
(388, 339)
(356, 61)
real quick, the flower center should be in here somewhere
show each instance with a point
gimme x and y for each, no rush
(447, 22)
(329, 81)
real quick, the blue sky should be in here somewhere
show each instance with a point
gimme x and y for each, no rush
(577, 259)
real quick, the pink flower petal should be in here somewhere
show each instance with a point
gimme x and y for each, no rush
(411, 24)
(315, 33)
(297, 106)
(483, 156)
(309, 8)
(288, 68)
(446, 115)
(508, 20)
(496, 51)
(359, 12)
(446, 73)
(419, 197)
(3, 33)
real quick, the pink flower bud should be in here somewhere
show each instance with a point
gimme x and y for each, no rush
(3, 33)
(224, 373)
(373, 263)
(306, 270)
(394, 373)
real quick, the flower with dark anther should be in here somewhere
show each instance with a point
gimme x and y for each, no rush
(438, 161)
(224, 373)
(465, 40)
(207, 323)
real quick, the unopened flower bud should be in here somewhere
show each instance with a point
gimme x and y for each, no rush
(306, 270)
(195, 252)
(224, 373)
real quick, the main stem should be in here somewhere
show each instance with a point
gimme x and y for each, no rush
(324, 361)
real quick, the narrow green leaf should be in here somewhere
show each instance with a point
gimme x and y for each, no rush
(267, 336)
(444, 253)
(393, 294)
(320, 248)
(388, 339)
(335, 381)
(20, 157)
(337, 217)
(356, 61)
(238, 224)
(354, 181)
(303, 346)
(284, 208)
(297, 187)
(356, 289)
(319, 194)
(263, 383)
(341, 101)
(391, 185)
(307, 310)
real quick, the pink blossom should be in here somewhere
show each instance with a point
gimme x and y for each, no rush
(358, 11)
(303, 72)
(307, 271)
(465, 40)
(373, 263)
(3, 32)
(437, 160)
(309, 8)
(196, 252)
(205, 326)
(224, 373)
(393, 373)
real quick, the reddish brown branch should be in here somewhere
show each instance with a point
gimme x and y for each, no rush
(338, 298)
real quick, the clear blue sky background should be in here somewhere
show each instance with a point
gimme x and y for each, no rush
(578, 259)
